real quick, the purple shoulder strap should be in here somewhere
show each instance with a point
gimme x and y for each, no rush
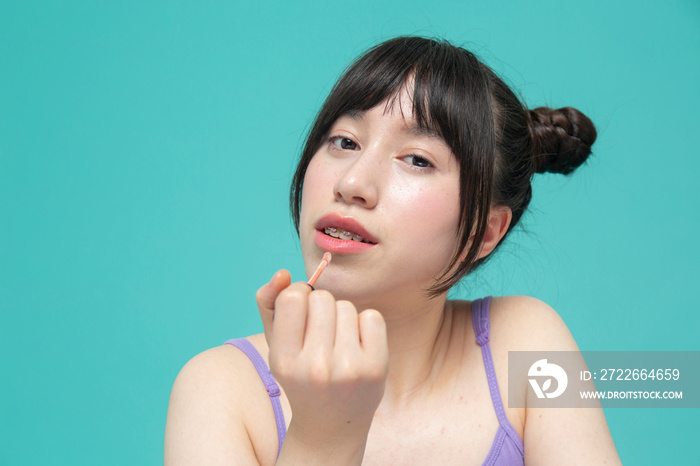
(480, 320)
(270, 384)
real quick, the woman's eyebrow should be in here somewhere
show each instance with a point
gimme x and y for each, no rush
(354, 114)
(422, 131)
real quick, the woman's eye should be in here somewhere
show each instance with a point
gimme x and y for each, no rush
(343, 143)
(417, 161)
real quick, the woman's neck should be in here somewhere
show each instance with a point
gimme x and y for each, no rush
(418, 332)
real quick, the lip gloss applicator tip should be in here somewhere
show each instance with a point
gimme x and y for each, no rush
(324, 262)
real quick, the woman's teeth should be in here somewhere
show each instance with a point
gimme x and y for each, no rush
(344, 234)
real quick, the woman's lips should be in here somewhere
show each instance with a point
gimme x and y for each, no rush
(345, 224)
(340, 246)
(343, 235)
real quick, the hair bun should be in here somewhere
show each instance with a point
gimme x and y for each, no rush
(562, 139)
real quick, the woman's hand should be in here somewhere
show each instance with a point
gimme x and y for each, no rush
(331, 362)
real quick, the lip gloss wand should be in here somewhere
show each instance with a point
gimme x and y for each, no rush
(324, 262)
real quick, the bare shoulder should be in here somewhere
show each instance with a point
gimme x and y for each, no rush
(528, 324)
(209, 420)
(550, 435)
(522, 323)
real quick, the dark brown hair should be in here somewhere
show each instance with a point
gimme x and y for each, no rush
(498, 142)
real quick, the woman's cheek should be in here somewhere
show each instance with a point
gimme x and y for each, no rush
(430, 217)
(430, 207)
(314, 183)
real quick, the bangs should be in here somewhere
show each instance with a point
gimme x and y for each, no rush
(430, 68)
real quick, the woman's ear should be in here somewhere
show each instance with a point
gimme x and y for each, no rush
(499, 220)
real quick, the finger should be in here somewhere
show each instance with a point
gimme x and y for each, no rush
(290, 318)
(266, 296)
(320, 322)
(373, 334)
(347, 328)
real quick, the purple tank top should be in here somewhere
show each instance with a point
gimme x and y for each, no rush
(507, 448)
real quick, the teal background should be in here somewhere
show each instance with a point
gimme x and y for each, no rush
(145, 154)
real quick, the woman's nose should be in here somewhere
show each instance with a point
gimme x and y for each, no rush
(358, 183)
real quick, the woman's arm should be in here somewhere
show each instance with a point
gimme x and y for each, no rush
(332, 363)
(207, 413)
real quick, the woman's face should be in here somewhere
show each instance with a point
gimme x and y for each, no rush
(382, 195)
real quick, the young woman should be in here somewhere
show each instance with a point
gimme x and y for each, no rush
(418, 165)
